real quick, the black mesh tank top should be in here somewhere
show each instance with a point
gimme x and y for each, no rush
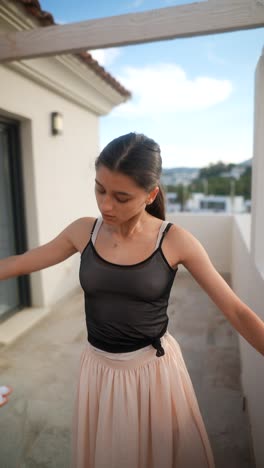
(126, 305)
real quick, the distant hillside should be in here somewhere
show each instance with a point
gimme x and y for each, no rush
(181, 169)
(185, 175)
(172, 170)
(179, 175)
(248, 162)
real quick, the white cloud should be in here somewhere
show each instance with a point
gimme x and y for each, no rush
(165, 88)
(106, 57)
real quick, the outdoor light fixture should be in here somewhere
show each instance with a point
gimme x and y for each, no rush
(56, 123)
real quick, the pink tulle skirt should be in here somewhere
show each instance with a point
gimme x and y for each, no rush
(137, 410)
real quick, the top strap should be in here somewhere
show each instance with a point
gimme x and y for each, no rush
(96, 228)
(165, 225)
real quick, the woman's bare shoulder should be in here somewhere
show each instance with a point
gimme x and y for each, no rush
(81, 231)
(179, 241)
(82, 223)
(178, 230)
(85, 220)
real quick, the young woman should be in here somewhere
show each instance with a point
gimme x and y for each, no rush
(135, 406)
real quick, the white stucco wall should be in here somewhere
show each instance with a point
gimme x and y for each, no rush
(58, 172)
(257, 226)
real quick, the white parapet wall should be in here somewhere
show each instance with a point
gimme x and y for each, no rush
(248, 284)
(227, 240)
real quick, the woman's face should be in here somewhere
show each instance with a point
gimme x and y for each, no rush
(118, 197)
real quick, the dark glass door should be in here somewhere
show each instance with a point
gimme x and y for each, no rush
(14, 292)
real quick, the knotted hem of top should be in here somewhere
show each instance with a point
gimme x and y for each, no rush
(130, 359)
(154, 342)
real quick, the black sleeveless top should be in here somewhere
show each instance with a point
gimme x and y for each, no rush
(126, 305)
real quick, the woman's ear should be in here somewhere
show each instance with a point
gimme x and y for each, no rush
(152, 195)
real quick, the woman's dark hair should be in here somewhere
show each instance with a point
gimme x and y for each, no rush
(138, 157)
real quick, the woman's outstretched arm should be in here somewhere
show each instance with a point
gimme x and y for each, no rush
(198, 263)
(44, 256)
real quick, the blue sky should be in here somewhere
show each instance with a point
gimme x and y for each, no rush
(194, 96)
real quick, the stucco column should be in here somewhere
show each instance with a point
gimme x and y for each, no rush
(257, 190)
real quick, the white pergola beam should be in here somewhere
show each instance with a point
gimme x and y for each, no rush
(208, 17)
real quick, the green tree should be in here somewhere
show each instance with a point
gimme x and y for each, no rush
(216, 183)
(214, 170)
(243, 185)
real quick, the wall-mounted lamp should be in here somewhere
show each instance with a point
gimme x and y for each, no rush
(56, 123)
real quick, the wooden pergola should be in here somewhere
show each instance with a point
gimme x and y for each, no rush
(203, 18)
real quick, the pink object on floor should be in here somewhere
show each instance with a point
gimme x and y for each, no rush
(5, 390)
(3, 400)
